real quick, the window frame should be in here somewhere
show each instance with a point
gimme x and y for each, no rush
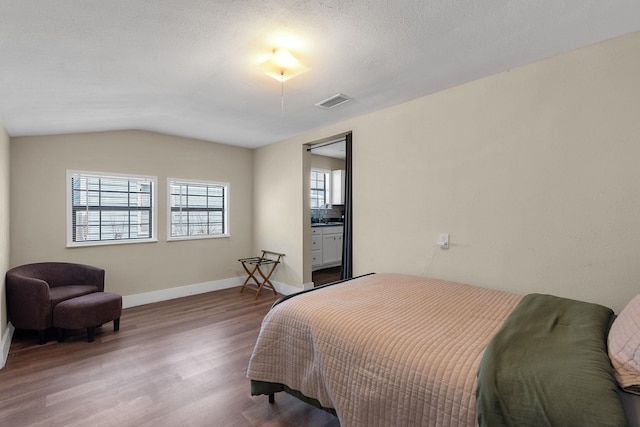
(225, 209)
(153, 209)
(327, 187)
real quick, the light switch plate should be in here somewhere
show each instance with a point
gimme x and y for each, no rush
(443, 241)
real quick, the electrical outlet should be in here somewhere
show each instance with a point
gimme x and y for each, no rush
(443, 241)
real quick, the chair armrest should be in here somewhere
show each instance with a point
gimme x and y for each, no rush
(28, 303)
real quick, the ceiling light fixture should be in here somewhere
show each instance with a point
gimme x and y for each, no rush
(282, 65)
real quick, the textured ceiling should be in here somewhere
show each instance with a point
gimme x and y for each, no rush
(189, 67)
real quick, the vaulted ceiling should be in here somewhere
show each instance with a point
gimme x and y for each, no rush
(190, 67)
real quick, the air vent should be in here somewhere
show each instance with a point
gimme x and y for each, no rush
(334, 101)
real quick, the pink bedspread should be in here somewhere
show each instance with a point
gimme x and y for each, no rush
(384, 350)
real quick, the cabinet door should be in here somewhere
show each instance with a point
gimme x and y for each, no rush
(331, 248)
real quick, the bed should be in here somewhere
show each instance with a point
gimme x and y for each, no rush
(401, 350)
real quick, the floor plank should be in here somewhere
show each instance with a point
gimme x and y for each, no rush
(179, 362)
(326, 275)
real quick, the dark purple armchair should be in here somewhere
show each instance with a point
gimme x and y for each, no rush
(34, 289)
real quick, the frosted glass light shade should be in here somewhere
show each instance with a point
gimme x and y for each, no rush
(282, 65)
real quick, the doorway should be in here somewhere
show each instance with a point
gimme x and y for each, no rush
(329, 213)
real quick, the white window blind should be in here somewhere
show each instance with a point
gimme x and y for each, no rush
(108, 208)
(198, 209)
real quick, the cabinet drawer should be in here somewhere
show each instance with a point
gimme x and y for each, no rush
(332, 230)
(316, 230)
(316, 258)
(316, 243)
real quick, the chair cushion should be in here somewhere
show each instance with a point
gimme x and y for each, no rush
(63, 293)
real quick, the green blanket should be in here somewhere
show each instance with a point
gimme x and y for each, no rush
(548, 366)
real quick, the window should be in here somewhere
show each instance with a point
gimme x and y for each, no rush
(197, 209)
(319, 188)
(110, 208)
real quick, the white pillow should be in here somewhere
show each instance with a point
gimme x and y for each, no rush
(624, 346)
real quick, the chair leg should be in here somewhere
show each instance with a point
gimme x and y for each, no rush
(60, 334)
(116, 324)
(91, 333)
(42, 336)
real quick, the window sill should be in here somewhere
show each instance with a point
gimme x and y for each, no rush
(108, 243)
(216, 236)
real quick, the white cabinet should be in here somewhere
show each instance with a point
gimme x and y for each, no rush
(337, 187)
(326, 247)
(316, 260)
(316, 248)
(331, 250)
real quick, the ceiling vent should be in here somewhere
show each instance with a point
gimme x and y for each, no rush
(333, 102)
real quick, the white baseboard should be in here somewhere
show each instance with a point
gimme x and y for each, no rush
(179, 292)
(5, 345)
(286, 289)
(200, 288)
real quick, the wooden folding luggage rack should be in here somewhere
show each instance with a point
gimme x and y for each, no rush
(269, 261)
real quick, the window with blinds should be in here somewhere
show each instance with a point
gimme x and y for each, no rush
(197, 209)
(110, 208)
(319, 188)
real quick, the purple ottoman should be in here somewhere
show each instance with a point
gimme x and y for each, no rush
(87, 311)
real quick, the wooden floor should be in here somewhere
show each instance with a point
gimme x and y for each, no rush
(174, 363)
(326, 275)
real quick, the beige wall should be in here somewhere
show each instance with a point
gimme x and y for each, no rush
(4, 224)
(279, 212)
(533, 172)
(38, 206)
